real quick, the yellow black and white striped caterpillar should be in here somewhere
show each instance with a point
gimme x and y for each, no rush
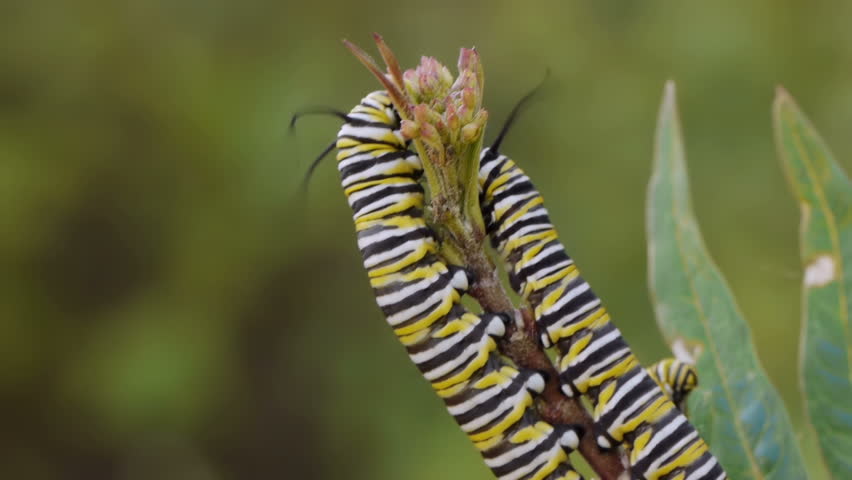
(676, 378)
(594, 359)
(419, 295)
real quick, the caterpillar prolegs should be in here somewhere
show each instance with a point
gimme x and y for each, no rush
(419, 295)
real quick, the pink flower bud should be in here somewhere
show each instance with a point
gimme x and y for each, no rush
(411, 84)
(429, 134)
(410, 130)
(421, 114)
(446, 77)
(452, 119)
(469, 98)
(470, 132)
(468, 59)
(464, 113)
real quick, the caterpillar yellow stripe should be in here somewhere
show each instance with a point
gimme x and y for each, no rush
(419, 295)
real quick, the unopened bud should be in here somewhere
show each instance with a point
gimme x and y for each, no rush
(441, 125)
(469, 98)
(471, 132)
(481, 117)
(411, 84)
(452, 119)
(468, 59)
(429, 134)
(421, 114)
(428, 84)
(465, 114)
(431, 77)
(446, 77)
(409, 129)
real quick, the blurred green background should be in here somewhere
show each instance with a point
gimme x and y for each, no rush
(174, 307)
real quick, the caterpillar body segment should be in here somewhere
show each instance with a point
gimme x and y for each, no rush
(419, 295)
(593, 358)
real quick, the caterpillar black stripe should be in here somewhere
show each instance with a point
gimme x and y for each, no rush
(676, 378)
(419, 295)
(594, 359)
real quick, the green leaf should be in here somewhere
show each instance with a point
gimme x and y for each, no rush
(736, 408)
(825, 196)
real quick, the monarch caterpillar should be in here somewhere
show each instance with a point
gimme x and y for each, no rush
(419, 295)
(676, 378)
(594, 359)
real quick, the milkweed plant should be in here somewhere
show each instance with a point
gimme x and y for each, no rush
(735, 408)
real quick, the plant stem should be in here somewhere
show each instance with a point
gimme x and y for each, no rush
(454, 199)
(521, 345)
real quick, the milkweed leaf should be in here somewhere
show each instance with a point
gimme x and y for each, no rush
(736, 408)
(824, 194)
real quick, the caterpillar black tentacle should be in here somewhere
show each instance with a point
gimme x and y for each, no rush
(594, 359)
(317, 111)
(315, 163)
(419, 295)
(328, 148)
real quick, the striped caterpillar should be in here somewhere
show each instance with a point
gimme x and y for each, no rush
(419, 295)
(629, 407)
(676, 378)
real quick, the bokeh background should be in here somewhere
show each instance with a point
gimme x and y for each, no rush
(173, 306)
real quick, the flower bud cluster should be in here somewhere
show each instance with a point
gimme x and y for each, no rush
(448, 111)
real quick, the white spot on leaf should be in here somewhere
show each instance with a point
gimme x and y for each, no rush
(820, 271)
(684, 352)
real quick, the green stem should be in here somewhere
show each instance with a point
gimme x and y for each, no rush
(521, 345)
(472, 212)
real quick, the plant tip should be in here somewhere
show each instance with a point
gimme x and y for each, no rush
(669, 102)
